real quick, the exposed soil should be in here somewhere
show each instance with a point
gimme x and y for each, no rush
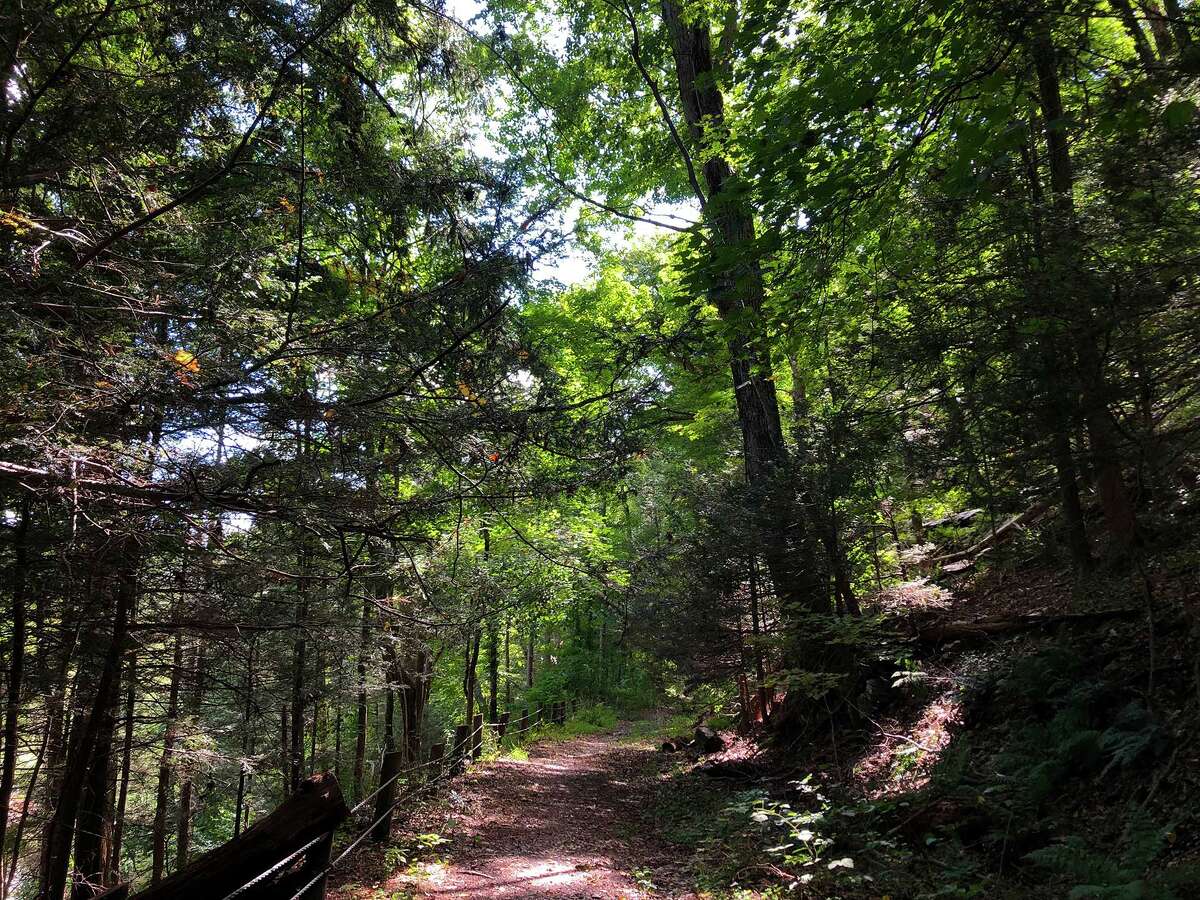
(567, 822)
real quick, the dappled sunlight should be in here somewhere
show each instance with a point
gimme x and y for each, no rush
(903, 753)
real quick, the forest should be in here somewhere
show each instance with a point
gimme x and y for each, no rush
(753, 443)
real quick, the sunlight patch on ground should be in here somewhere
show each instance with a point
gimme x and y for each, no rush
(904, 753)
(918, 594)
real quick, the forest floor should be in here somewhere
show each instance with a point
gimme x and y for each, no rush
(567, 822)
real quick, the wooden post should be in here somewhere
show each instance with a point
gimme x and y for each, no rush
(525, 719)
(458, 761)
(477, 736)
(316, 862)
(436, 752)
(502, 726)
(386, 796)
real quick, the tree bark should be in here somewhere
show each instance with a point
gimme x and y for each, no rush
(16, 673)
(299, 652)
(162, 796)
(493, 673)
(360, 722)
(57, 834)
(737, 291)
(1079, 287)
(126, 762)
(530, 652)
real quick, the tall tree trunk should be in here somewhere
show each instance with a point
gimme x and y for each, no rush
(94, 823)
(299, 652)
(1179, 26)
(1058, 403)
(1080, 288)
(285, 769)
(360, 721)
(738, 292)
(16, 673)
(493, 672)
(415, 680)
(470, 682)
(57, 834)
(507, 663)
(1134, 29)
(118, 836)
(247, 743)
(530, 652)
(162, 795)
(1160, 28)
(195, 700)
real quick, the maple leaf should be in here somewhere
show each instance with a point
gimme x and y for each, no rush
(186, 360)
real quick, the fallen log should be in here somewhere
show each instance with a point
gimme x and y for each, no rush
(958, 519)
(316, 809)
(1001, 535)
(999, 626)
(674, 744)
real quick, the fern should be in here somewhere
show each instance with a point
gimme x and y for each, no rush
(1132, 734)
(1099, 877)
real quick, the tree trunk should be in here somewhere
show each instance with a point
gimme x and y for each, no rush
(1179, 27)
(470, 682)
(530, 652)
(57, 835)
(1160, 28)
(184, 823)
(118, 836)
(299, 652)
(360, 722)
(1078, 285)
(507, 664)
(416, 677)
(94, 823)
(737, 292)
(162, 797)
(493, 673)
(16, 672)
(247, 743)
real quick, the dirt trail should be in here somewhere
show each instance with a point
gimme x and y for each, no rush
(567, 822)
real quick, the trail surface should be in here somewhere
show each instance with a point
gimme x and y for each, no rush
(569, 822)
